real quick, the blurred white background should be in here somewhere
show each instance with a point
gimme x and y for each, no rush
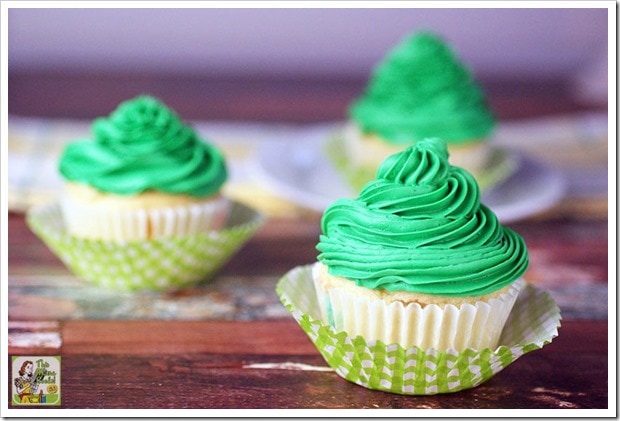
(496, 42)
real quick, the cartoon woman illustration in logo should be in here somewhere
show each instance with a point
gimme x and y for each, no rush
(26, 385)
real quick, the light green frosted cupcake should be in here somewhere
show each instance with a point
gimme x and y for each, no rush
(420, 89)
(417, 260)
(143, 174)
(143, 208)
(418, 289)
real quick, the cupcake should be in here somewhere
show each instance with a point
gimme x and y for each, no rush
(418, 290)
(419, 90)
(417, 260)
(144, 174)
(142, 207)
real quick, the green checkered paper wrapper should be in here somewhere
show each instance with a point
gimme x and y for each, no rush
(156, 264)
(533, 323)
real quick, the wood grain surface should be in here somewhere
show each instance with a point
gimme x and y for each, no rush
(229, 343)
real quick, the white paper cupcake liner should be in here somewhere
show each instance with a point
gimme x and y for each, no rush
(156, 264)
(478, 325)
(103, 223)
(533, 323)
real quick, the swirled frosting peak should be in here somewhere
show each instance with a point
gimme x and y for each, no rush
(420, 227)
(143, 145)
(426, 164)
(419, 90)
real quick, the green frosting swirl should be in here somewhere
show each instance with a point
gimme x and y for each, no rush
(143, 145)
(420, 227)
(421, 90)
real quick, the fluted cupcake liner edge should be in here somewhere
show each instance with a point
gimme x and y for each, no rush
(156, 264)
(533, 323)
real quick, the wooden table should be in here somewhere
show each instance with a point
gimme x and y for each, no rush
(230, 343)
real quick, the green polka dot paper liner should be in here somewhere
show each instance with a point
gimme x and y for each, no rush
(156, 264)
(533, 323)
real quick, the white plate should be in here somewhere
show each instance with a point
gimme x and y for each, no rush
(301, 172)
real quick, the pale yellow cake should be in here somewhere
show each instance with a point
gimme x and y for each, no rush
(93, 214)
